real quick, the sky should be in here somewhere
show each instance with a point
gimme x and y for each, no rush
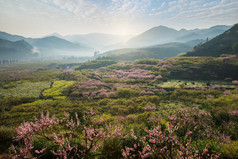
(36, 18)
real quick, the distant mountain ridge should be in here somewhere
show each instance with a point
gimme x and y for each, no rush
(15, 50)
(163, 34)
(203, 33)
(10, 37)
(53, 43)
(156, 35)
(97, 40)
(226, 43)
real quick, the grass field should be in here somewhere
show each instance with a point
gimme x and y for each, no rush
(26, 89)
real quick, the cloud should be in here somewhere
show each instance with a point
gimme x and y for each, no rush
(200, 12)
(76, 8)
(129, 6)
(72, 16)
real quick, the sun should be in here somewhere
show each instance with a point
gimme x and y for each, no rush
(123, 29)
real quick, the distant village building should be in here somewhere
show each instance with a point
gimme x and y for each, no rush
(7, 61)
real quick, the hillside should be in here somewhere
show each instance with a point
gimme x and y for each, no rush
(15, 50)
(226, 43)
(156, 51)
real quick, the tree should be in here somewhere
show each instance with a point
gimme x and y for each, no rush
(235, 47)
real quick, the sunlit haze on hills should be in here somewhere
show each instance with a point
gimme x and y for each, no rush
(36, 18)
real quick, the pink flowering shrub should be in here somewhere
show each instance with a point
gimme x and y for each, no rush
(210, 97)
(159, 90)
(135, 86)
(110, 76)
(214, 87)
(166, 65)
(143, 92)
(227, 92)
(149, 108)
(200, 88)
(133, 73)
(90, 84)
(158, 77)
(234, 113)
(68, 70)
(235, 82)
(19, 75)
(66, 74)
(93, 88)
(228, 79)
(93, 76)
(228, 57)
(172, 60)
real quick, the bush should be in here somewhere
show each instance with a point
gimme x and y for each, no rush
(127, 92)
(94, 64)
(147, 61)
(6, 136)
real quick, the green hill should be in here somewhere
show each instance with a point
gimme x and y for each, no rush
(15, 50)
(226, 43)
(156, 51)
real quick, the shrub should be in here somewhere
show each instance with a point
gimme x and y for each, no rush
(95, 64)
(126, 92)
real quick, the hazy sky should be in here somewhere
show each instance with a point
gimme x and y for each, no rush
(40, 17)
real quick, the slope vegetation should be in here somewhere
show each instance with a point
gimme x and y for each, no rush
(226, 43)
(156, 51)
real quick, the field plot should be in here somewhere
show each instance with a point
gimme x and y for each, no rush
(195, 84)
(57, 88)
(27, 89)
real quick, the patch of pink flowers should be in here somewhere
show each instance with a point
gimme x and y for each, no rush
(235, 82)
(143, 92)
(149, 108)
(133, 73)
(227, 92)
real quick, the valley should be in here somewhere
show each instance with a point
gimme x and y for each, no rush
(164, 93)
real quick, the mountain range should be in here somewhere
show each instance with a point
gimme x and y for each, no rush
(86, 44)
